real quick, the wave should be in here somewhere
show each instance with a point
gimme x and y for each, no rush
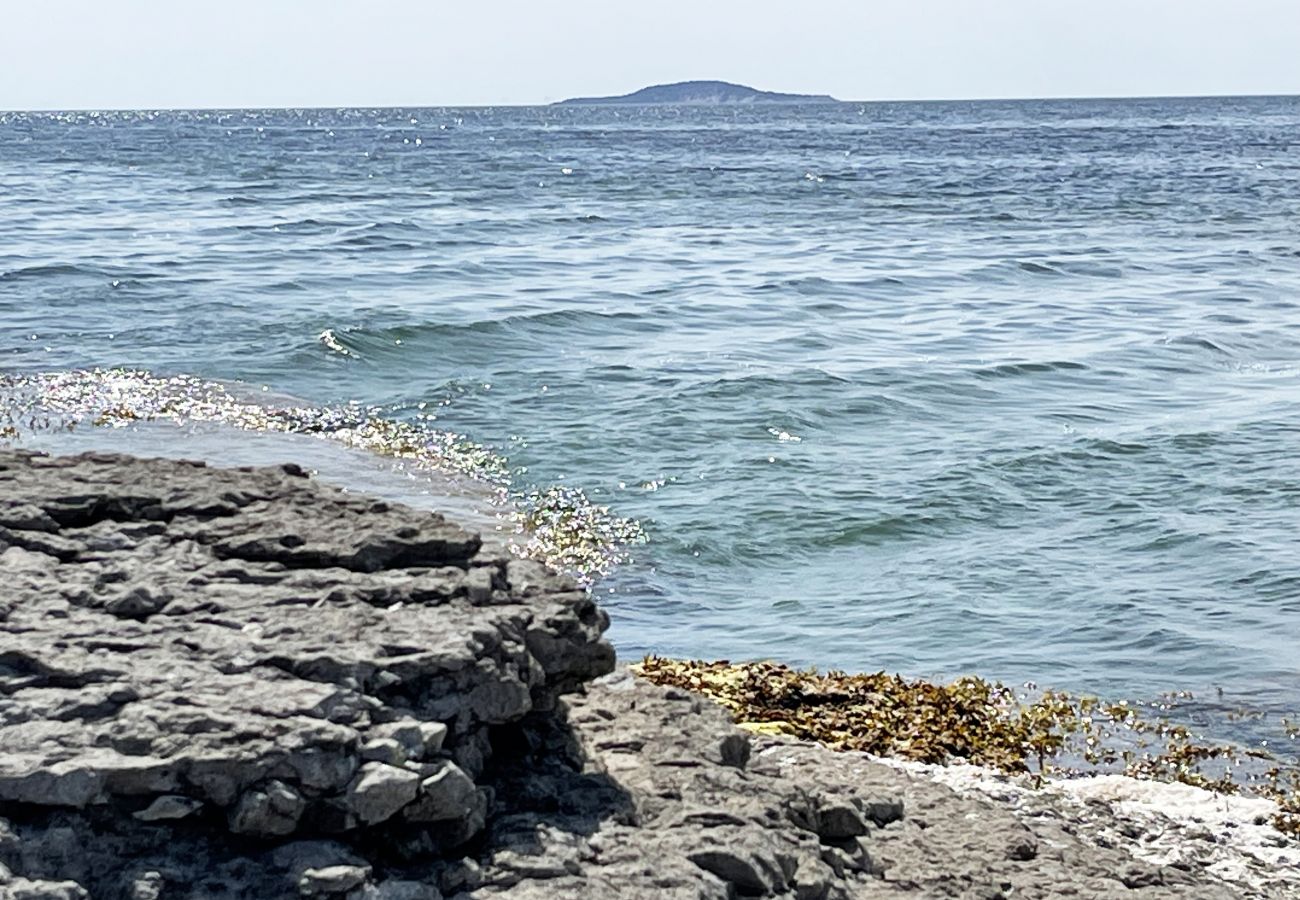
(760, 384)
(117, 273)
(1197, 343)
(401, 338)
(589, 219)
(888, 528)
(309, 225)
(817, 286)
(1053, 268)
(1038, 268)
(1014, 370)
(45, 271)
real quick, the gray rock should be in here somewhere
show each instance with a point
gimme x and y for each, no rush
(28, 889)
(296, 857)
(418, 739)
(268, 811)
(838, 821)
(795, 820)
(448, 794)
(147, 886)
(138, 602)
(747, 873)
(168, 807)
(379, 791)
(332, 880)
(396, 889)
(478, 585)
(385, 750)
(432, 736)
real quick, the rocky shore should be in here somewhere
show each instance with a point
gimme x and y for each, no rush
(221, 683)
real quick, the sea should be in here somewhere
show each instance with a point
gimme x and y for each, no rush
(1001, 388)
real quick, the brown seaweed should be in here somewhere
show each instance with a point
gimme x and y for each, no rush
(977, 721)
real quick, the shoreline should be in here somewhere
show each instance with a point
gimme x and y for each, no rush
(1048, 736)
(253, 677)
(135, 411)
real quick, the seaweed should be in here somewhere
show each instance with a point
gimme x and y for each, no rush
(980, 722)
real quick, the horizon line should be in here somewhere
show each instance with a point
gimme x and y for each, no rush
(549, 103)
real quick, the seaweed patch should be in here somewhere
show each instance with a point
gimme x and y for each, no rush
(1047, 733)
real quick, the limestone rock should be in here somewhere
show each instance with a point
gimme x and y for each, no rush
(447, 794)
(332, 880)
(396, 889)
(379, 790)
(268, 811)
(169, 806)
(190, 644)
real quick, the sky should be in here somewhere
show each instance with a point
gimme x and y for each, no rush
(101, 54)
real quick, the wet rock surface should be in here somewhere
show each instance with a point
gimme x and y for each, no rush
(245, 684)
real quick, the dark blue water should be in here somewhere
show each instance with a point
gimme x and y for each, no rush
(1005, 388)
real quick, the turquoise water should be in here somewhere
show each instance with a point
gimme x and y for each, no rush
(1006, 388)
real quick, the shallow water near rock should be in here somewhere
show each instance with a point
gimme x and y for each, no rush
(1006, 388)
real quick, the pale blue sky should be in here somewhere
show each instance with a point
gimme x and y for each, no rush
(184, 53)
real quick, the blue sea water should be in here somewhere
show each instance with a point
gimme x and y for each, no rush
(1007, 388)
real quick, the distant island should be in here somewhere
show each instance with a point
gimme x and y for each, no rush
(699, 93)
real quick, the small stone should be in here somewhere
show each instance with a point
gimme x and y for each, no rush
(417, 738)
(326, 769)
(25, 889)
(433, 734)
(296, 857)
(332, 880)
(271, 811)
(138, 602)
(461, 876)
(396, 889)
(148, 886)
(882, 812)
(814, 879)
(839, 821)
(733, 868)
(168, 807)
(445, 795)
(379, 790)
(385, 750)
(478, 583)
(1137, 875)
(850, 855)
(1022, 849)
